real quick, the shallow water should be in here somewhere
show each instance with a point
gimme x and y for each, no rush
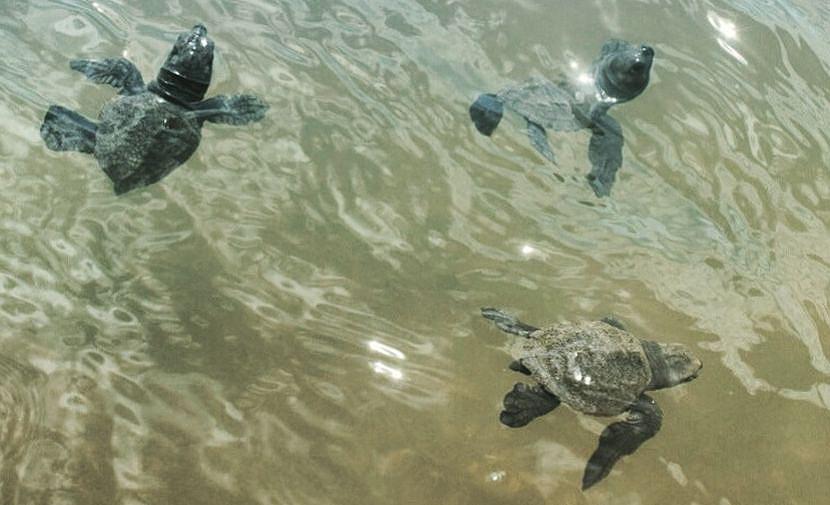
(292, 316)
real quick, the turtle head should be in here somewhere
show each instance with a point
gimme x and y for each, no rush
(622, 70)
(671, 364)
(185, 76)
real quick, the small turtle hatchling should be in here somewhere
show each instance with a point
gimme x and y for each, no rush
(595, 367)
(619, 74)
(147, 131)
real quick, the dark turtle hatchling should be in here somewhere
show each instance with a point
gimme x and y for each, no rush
(598, 368)
(619, 74)
(147, 131)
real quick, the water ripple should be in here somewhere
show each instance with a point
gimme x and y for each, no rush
(291, 316)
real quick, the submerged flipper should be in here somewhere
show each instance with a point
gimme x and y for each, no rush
(623, 438)
(605, 153)
(539, 140)
(486, 113)
(66, 130)
(117, 72)
(234, 109)
(508, 323)
(525, 403)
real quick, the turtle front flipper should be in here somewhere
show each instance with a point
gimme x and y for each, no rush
(117, 72)
(539, 140)
(486, 113)
(66, 130)
(525, 403)
(605, 153)
(234, 109)
(506, 322)
(623, 438)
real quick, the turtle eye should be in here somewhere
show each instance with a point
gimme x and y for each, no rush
(173, 123)
(637, 67)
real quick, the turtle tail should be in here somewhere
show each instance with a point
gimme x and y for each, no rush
(486, 113)
(66, 130)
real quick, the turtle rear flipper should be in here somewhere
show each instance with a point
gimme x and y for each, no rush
(66, 130)
(506, 322)
(623, 438)
(486, 113)
(605, 153)
(517, 366)
(611, 320)
(234, 109)
(525, 403)
(117, 72)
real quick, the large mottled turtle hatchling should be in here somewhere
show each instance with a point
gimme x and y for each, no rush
(598, 368)
(147, 131)
(619, 74)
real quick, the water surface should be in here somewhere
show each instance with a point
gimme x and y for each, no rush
(292, 316)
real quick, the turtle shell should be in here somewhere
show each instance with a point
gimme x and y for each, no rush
(142, 137)
(544, 103)
(591, 366)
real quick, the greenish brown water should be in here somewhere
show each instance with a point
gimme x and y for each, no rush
(292, 316)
